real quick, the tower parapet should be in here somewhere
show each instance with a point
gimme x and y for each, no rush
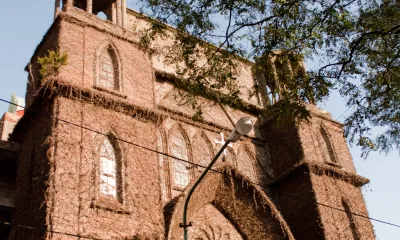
(115, 10)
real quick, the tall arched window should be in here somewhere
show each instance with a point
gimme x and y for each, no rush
(230, 157)
(246, 164)
(350, 217)
(202, 150)
(327, 150)
(180, 170)
(109, 171)
(108, 69)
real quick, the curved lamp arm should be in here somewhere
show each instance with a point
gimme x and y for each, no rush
(242, 127)
(184, 223)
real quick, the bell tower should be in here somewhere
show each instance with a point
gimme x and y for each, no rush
(115, 10)
(316, 182)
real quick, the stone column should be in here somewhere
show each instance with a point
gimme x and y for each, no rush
(67, 5)
(113, 13)
(119, 12)
(56, 8)
(89, 6)
(124, 20)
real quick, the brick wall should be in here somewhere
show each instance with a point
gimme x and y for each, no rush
(339, 224)
(31, 202)
(82, 42)
(296, 151)
(75, 184)
(60, 168)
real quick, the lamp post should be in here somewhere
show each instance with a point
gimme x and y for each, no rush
(242, 127)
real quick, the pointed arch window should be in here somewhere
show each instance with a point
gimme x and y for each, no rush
(108, 76)
(327, 149)
(180, 170)
(352, 221)
(203, 152)
(230, 157)
(109, 171)
(246, 164)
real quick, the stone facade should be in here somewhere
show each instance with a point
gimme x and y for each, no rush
(267, 186)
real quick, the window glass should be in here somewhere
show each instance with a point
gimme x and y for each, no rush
(180, 170)
(108, 166)
(107, 73)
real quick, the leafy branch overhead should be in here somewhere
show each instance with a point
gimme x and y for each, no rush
(353, 46)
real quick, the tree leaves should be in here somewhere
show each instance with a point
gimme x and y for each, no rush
(355, 43)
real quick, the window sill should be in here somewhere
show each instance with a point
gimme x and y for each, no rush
(333, 164)
(111, 92)
(109, 204)
(178, 188)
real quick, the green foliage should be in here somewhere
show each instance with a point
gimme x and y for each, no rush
(50, 63)
(354, 44)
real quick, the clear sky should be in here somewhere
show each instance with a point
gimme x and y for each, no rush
(23, 24)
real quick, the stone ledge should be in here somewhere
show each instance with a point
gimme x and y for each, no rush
(323, 169)
(220, 97)
(56, 86)
(112, 205)
(111, 92)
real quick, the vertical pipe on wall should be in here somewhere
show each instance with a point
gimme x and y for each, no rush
(89, 6)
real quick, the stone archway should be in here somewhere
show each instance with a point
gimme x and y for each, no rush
(228, 207)
(211, 224)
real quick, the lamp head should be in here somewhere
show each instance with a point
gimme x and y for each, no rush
(242, 127)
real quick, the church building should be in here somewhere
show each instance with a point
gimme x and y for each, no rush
(107, 151)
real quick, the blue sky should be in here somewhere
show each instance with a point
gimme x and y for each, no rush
(23, 24)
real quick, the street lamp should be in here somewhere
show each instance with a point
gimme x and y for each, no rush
(242, 127)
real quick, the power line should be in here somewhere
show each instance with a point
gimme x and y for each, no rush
(195, 164)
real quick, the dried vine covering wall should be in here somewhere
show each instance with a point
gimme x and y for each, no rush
(72, 162)
(61, 167)
(245, 205)
(342, 195)
(76, 176)
(317, 168)
(33, 173)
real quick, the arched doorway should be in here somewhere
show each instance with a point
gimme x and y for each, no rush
(226, 206)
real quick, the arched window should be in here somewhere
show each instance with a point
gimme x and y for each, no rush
(102, 15)
(202, 150)
(327, 150)
(108, 69)
(230, 157)
(109, 171)
(350, 217)
(246, 164)
(180, 170)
